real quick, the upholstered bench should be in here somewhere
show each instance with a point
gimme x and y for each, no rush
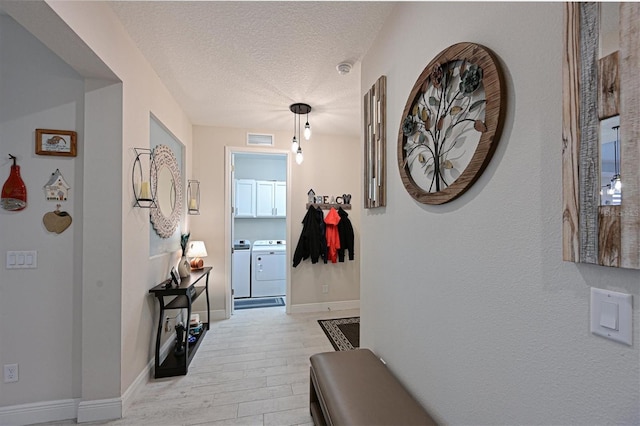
(356, 388)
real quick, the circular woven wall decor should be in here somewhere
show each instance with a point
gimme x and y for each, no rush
(165, 223)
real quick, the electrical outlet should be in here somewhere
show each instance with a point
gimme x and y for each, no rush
(166, 324)
(325, 288)
(10, 373)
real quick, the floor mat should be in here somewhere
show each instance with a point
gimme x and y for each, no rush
(343, 333)
(258, 303)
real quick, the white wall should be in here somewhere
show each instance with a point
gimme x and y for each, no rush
(37, 310)
(90, 331)
(143, 94)
(330, 167)
(470, 303)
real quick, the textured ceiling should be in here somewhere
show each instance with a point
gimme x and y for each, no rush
(241, 64)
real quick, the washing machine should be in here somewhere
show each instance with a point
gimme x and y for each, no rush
(241, 269)
(268, 268)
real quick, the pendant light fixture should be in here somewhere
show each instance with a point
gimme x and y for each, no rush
(298, 109)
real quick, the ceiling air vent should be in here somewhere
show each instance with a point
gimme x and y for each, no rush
(257, 139)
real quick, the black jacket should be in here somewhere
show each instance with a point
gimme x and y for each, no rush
(312, 242)
(345, 230)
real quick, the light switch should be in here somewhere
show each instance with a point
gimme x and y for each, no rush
(22, 259)
(611, 315)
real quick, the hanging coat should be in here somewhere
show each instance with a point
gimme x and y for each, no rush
(345, 230)
(311, 239)
(333, 238)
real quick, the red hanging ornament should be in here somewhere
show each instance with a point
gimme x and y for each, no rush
(14, 192)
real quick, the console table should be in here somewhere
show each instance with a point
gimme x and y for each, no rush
(183, 297)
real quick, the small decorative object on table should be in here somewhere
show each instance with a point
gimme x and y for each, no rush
(184, 269)
(175, 277)
(179, 347)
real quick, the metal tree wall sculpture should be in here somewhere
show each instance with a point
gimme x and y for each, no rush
(451, 123)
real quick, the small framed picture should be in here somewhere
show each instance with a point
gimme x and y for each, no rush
(56, 142)
(175, 277)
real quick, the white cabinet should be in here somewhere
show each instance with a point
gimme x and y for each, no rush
(280, 199)
(245, 198)
(271, 198)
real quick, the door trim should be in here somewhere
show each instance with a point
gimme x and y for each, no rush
(228, 153)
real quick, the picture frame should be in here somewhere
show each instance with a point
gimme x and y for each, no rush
(61, 143)
(175, 277)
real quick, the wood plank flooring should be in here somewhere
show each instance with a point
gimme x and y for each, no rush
(252, 369)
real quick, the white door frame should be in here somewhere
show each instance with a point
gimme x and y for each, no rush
(228, 188)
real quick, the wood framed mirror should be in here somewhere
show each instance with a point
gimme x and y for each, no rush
(598, 85)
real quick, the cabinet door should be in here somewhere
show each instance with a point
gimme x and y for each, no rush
(280, 199)
(265, 192)
(245, 205)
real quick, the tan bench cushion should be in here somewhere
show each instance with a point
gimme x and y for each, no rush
(356, 388)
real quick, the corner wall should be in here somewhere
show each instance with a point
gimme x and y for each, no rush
(470, 303)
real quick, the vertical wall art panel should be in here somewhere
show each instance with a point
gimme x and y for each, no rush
(375, 113)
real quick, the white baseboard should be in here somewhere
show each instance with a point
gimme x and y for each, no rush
(324, 307)
(214, 315)
(39, 412)
(83, 411)
(99, 409)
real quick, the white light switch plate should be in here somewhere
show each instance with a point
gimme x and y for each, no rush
(22, 259)
(605, 306)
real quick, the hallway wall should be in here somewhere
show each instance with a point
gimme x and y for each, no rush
(472, 306)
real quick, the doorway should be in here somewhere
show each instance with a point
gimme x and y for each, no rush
(257, 200)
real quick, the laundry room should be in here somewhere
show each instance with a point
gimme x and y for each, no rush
(259, 265)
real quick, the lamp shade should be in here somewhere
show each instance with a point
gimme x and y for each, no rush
(196, 249)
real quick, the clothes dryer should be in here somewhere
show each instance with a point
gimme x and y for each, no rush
(268, 268)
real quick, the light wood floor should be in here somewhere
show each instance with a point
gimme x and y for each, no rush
(252, 369)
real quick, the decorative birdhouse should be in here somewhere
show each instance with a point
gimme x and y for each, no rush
(56, 189)
(312, 196)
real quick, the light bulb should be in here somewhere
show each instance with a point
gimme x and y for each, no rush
(294, 145)
(299, 156)
(618, 184)
(307, 131)
(610, 191)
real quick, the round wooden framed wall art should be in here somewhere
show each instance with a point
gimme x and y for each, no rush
(451, 123)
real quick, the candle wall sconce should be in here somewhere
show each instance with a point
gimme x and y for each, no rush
(193, 195)
(143, 190)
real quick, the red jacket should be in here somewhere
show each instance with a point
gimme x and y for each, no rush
(332, 235)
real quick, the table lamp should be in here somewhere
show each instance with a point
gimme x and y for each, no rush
(196, 251)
